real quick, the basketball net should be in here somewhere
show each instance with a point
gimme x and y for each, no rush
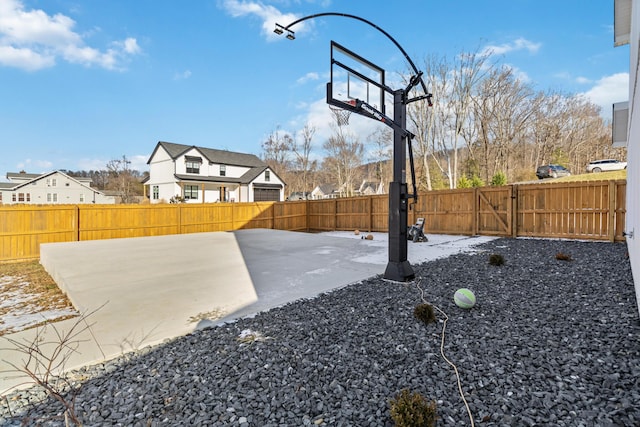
(341, 115)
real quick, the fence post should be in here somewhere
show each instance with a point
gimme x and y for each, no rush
(370, 214)
(273, 216)
(77, 222)
(513, 193)
(476, 204)
(308, 214)
(335, 214)
(611, 217)
(179, 207)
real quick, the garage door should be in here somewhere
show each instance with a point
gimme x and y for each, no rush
(266, 195)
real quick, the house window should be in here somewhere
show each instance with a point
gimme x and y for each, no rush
(49, 197)
(267, 175)
(55, 197)
(81, 198)
(54, 182)
(28, 197)
(192, 164)
(190, 192)
(21, 197)
(52, 197)
(13, 197)
(223, 170)
(156, 192)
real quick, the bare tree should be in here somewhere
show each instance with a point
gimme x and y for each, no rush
(422, 119)
(503, 108)
(276, 149)
(468, 71)
(344, 155)
(124, 180)
(382, 153)
(303, 164)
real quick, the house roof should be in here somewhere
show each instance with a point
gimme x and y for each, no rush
(325, 188)
(212, 155)
(22, 175)
(36, 177)
(247, 178)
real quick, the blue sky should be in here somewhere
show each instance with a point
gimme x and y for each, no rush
(85, 82)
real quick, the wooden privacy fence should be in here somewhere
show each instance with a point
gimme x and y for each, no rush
(592, 210)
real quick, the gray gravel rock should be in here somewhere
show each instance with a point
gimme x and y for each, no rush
(549, 343)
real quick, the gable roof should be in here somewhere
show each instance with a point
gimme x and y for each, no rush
(324, 189)
(211, 154)
(37, 177)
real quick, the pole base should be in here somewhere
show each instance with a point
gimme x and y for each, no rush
(399, 271)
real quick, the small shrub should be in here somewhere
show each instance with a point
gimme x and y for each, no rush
(476, 181)
(563, 257)
(411, 409)
(499, 179)
(425, 313)
(463, 182)
(496, 259)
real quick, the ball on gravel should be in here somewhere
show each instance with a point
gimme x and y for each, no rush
(464, 298)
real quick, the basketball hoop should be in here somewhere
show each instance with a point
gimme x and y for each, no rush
(341, 115)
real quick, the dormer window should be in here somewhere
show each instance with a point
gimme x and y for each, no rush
(192, 164)
(223, 170)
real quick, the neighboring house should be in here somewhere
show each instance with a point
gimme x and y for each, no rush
(299, 195)
(627, 31)
(368, 188)
(49, 188)
(324, 191)
(204, 175)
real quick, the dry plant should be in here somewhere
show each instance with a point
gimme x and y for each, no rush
(45, 360)
(560, 256)
(38, 292)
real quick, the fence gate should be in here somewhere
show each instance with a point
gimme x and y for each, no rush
(494, 209)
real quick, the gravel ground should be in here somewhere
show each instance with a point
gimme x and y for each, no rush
(549, 343)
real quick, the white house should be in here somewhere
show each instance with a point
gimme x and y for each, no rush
(49, 188)
(204, 175)
(324, 191)
(627, 31)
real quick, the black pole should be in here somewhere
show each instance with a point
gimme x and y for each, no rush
(398, 268)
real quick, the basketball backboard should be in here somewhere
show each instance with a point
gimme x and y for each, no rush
(354, 78)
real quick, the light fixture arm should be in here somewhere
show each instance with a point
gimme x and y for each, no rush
(418, 74)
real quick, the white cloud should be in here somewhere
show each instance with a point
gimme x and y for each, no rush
(25, 59)
(32, 40)
(139, 162)
(268, 14)
(608, 90)
(517, 45)
(35, 166)
(182, 76)
(307, 78)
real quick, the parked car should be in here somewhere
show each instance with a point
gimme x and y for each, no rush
(606, 165)
(551, 171)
